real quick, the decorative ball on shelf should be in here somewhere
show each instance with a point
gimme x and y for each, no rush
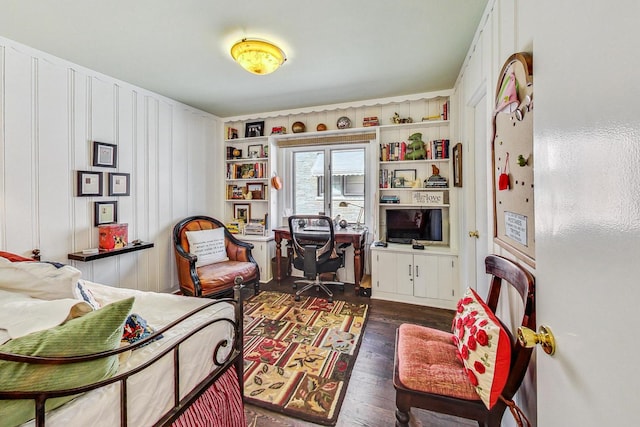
(343, 122)
(236, 153)
(298, 127)
(343, 223)
(321, 127)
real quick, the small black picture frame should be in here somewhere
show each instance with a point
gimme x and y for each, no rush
(105, 213)
(119, 184)
(457, 165)
(89, 183)
(253, 129)
(105, 155)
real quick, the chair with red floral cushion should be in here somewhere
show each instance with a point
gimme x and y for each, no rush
(473, 372)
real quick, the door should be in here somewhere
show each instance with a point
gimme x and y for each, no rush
(587, 210)
(476, 190)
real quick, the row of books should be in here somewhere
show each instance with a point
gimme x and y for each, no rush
(397, 151)
(246, 170)
(437, 149)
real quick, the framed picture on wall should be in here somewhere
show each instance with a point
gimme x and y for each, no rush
(457, 165)
(119, 184)
(89, 183)
(105, 213)
(105, 155)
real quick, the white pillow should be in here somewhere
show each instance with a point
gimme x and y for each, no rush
(21, 314)
(38, 279)
(208, 246)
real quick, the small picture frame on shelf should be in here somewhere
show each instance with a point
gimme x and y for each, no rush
(457, 165)
(105, 213)
(256, 190)
(242, 211)
(119, 184)
(253, 129)
(404, 178)
(232, 133)
(105, 155)
(255, 151)
(89, 183)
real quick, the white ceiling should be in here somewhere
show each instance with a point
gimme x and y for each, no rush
(338, 50)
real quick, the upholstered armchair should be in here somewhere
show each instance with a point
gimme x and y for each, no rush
(209, 258)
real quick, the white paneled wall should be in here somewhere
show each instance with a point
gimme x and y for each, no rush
(504, 29)
(50, 113)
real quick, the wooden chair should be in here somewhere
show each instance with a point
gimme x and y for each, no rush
(217, 279)
(437, 356)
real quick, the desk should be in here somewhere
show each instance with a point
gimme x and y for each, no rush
(354, 237)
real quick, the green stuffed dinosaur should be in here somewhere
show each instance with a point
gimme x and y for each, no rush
(416, 146)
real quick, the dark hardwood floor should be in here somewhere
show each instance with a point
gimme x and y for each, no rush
(370, 398)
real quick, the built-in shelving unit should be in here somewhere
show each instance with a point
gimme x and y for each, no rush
(420, 181)
(399, 272)
(247, 176)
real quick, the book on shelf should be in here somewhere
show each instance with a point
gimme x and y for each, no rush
(246, 170)
(384, 178)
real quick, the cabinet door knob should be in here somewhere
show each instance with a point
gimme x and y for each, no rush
(474, 234)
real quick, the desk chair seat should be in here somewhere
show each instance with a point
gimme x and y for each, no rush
(314, 251)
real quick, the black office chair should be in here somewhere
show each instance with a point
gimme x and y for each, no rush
(314, 252)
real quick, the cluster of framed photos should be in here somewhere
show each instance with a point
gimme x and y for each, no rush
(90, 184)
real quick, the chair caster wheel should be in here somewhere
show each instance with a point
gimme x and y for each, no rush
(297, 298)
(330, 300)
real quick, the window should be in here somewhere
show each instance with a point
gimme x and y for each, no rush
(311, 173)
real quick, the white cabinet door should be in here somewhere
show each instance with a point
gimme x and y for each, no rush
(426, 276)
(404, 273)
(447, 277)
(384, 272)
(435, 276)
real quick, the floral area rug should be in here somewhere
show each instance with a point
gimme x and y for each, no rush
(298, 356)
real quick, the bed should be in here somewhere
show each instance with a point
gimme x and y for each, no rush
(181, 366)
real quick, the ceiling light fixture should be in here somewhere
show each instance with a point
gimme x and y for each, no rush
(258, 56)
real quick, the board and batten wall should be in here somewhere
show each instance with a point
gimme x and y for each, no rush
(505, 28)
(51, 111)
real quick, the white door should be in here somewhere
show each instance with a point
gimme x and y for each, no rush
(481, 146)
(587, 197)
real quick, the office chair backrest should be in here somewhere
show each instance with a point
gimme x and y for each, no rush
(312, 230)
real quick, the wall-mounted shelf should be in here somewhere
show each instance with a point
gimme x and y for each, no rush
(79, 256)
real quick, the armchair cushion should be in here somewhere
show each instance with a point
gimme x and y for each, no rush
(207, 245)
(483, 346)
